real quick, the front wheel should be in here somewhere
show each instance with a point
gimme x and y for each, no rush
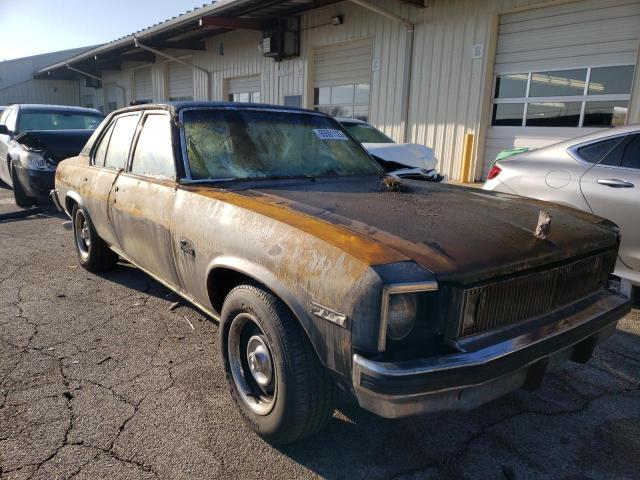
(93, 253)
(276, 379)
(22, 199)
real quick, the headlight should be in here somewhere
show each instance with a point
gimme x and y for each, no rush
(400, 309)
(401, 315)
(35, 161)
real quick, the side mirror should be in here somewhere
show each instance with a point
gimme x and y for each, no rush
(4, 130)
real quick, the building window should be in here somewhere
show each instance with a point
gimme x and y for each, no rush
(245, 97)
(581, 97)
(350, 101)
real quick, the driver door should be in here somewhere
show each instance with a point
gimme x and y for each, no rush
(612, 190)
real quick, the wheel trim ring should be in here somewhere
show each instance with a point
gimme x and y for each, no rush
(81, 229)
(259, 404)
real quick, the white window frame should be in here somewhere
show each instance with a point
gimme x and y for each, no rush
(583, 99)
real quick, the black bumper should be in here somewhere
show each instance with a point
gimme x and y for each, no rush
(462, 381)
(36, 183)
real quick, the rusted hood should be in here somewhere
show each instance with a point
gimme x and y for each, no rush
(459, 234)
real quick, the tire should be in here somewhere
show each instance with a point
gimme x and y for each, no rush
(22, 199)
(636, 297)
(93, 253)
(298, 400)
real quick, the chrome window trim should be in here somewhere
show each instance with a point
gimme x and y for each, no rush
(392, 289)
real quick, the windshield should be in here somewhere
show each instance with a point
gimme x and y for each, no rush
(248, 144)
(58, 120)
(365, 133)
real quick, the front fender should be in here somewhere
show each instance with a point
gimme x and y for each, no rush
(311, 325)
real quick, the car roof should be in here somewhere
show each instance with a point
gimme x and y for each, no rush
(350, 120)
(607, 132)
(176, 107)
(34, 107)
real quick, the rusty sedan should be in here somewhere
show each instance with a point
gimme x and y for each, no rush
(412, 296)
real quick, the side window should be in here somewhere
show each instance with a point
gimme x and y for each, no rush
(101, 151)
(120, 143)
(631, 156)
(595, 152)
(10, 119)
(153, 155)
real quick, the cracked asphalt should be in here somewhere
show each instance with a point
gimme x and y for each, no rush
(99, 378)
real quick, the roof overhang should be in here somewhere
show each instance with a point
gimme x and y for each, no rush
(185, 32)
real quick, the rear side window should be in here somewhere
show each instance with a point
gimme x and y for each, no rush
(631, 155)
(153, 155)
(595, 152)
(120, 143)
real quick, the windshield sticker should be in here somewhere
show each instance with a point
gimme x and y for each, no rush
(329, 134)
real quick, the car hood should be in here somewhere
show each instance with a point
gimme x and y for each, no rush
(461, 235)
(59, 144)
(407, 154)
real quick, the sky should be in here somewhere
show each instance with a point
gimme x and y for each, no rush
(31, 27)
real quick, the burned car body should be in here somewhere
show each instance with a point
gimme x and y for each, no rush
(34, 138)
(413, 296)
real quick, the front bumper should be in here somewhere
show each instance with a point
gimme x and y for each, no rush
(463, 381)
(36, 183)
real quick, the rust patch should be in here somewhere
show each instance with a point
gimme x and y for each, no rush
(358, 246)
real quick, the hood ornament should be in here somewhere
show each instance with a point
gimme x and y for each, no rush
(544, 225)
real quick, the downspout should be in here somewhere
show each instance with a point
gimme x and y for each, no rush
(104, 93)
(178, 60)
(408, 58)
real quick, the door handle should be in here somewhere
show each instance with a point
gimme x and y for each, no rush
(615, 183)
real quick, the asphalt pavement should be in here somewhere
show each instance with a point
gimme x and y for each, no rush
(100, 378)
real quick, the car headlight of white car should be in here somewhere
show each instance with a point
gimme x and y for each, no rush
(34, 160)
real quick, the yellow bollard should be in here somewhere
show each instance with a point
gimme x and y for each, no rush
(465, 173)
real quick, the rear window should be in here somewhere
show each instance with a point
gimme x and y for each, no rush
(595, 152)
(58, 120)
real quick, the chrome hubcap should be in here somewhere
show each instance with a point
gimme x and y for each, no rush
(251, 364)
(259, 361)
(82, 234)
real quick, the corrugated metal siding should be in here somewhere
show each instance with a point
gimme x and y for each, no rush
(57, 92)
(572, 35)
(143, 86)
(180, 81)
(243, 84)
(343, 64)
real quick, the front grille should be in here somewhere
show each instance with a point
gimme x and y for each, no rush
(527, 296)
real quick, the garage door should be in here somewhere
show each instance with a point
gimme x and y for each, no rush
(343, 78)
(180, 82)
(142, 85)
(561, 72)
(244, 89)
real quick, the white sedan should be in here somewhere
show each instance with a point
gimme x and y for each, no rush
(402, 160)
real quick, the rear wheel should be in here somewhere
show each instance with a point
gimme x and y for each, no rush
(93, 253)
(276, 379)
(22, 199)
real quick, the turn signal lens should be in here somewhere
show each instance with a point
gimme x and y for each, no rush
(494, 172)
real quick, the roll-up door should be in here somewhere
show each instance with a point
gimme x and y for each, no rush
(562, 71)
(342, 78)
(180, 82)
(142, 85)
(244, 89)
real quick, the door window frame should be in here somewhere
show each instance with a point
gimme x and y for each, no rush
(97, 144)
(573, 150)
(134, 145)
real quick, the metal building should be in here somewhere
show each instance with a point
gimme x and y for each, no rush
(466, 77)
(17, 84)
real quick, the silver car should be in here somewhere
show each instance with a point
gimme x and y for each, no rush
(598, 173)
